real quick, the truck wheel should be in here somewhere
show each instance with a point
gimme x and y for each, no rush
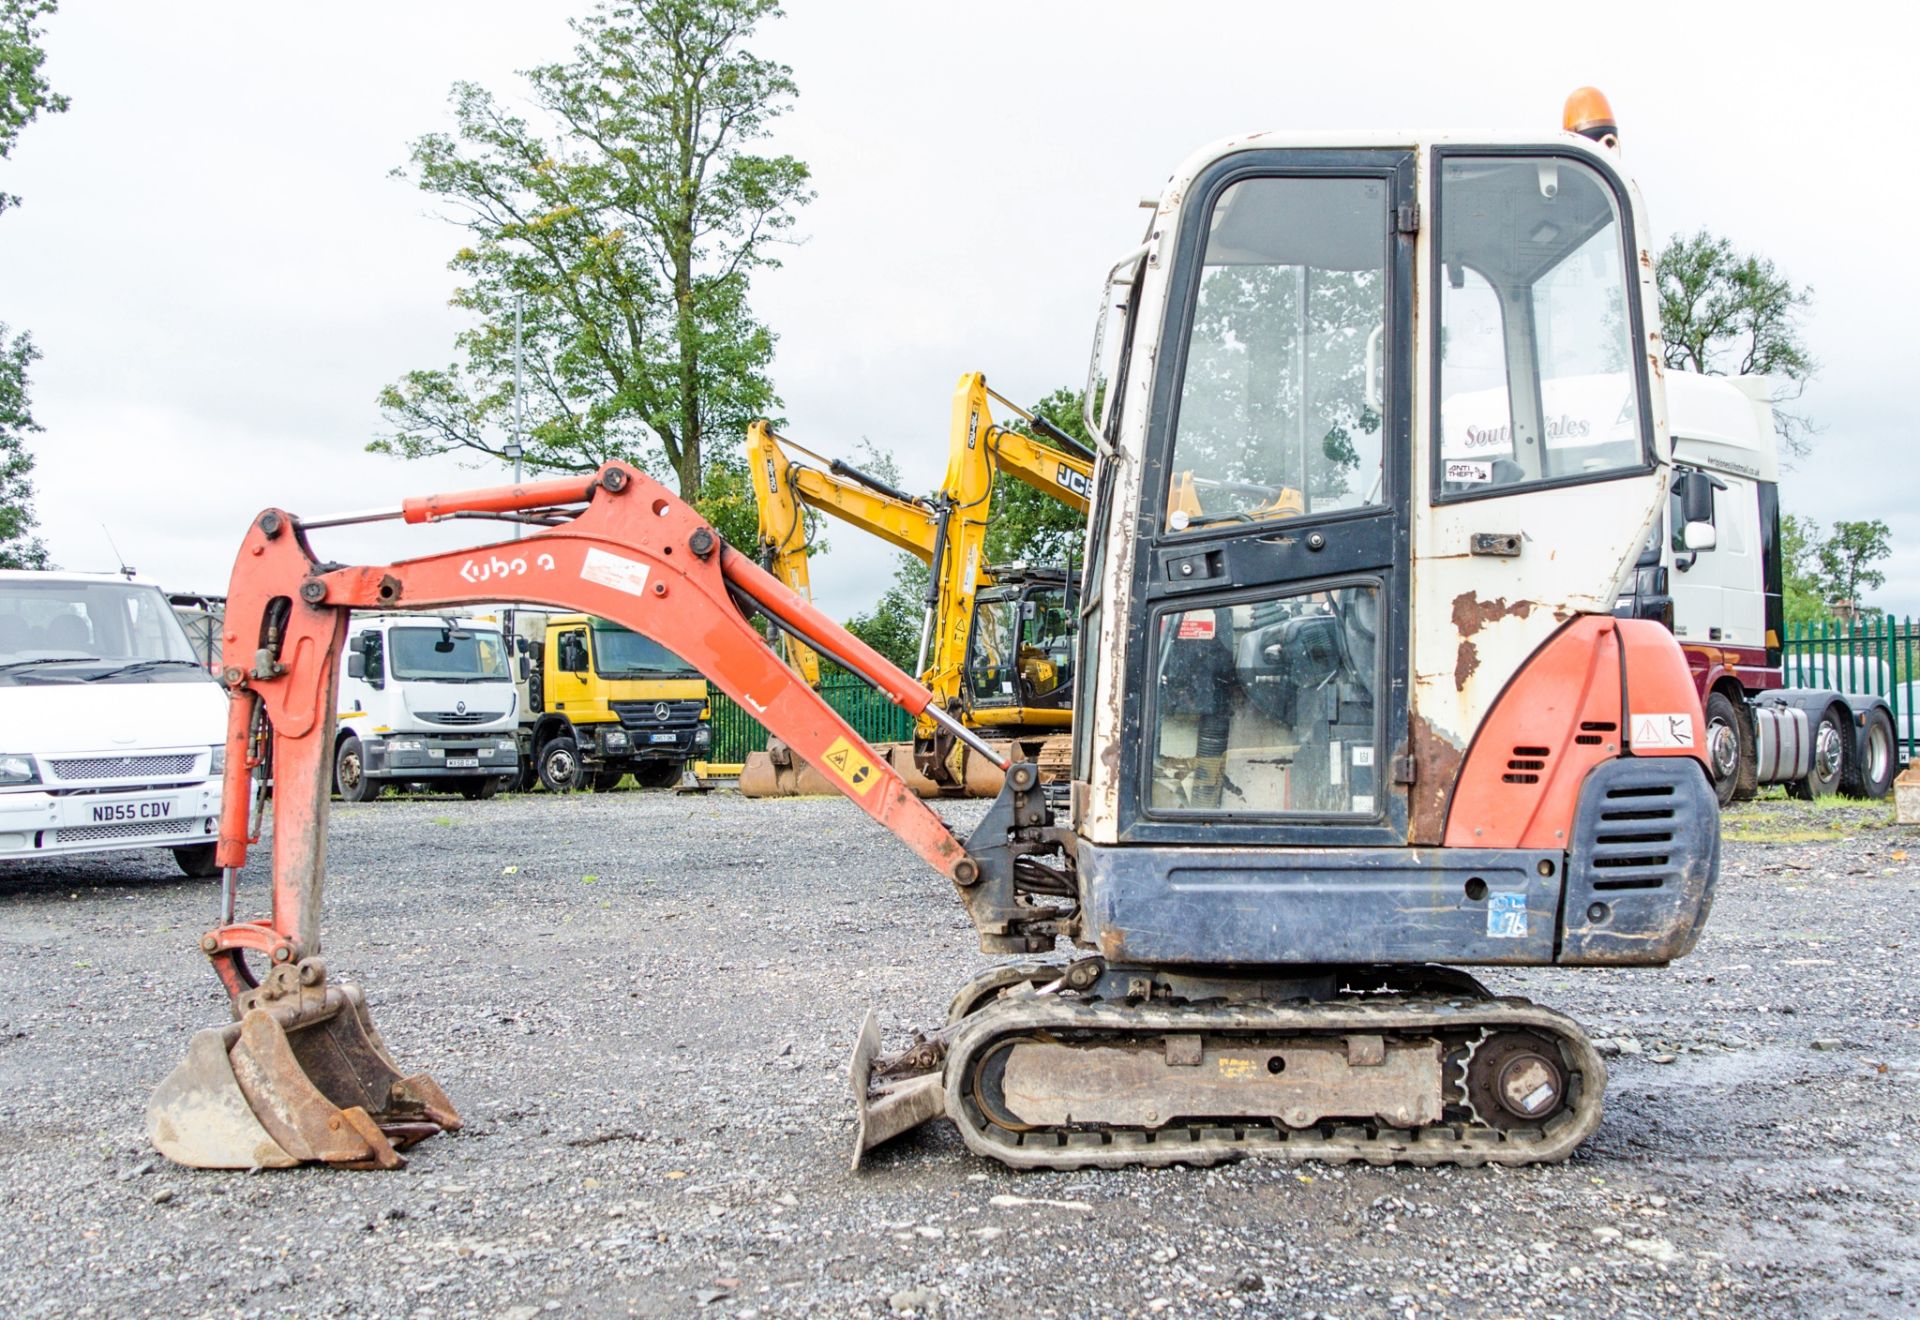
(560, 765)
(474, 790)
(605, 781)
(1829, 758)
(657, 774)
(1870, 774)
(1730, 753)
(197, 862)
(350, 772)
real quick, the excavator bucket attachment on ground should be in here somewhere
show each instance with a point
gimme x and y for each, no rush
(303, 1078)
(777, 772)
(883, 1112)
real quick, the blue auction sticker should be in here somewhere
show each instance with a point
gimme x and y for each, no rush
(1507, 917)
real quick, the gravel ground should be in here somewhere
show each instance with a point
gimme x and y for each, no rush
(643, 1003)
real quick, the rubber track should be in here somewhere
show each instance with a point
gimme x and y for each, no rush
(1467, 1144)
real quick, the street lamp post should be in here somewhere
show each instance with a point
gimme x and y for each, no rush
(514, 448)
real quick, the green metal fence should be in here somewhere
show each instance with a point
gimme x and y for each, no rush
(735, 733)
(1878, 655)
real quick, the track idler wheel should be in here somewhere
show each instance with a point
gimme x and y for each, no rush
(302, 1077)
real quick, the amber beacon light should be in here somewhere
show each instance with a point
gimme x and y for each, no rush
(1589, 115)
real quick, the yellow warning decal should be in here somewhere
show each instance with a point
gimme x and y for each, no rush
(852, 765)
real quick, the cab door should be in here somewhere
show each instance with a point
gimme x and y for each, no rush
(1269, 630)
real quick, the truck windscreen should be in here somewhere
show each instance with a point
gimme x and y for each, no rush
(618, 652)
(448, 655)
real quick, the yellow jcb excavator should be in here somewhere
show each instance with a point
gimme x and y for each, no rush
(997, 642)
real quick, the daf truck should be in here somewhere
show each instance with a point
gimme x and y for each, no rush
(425, 700)
(112, 732)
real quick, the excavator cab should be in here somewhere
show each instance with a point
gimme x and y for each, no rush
(1021, 655)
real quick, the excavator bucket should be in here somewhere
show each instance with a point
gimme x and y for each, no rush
(303, 1078)
(884, 1111)
(777, 772)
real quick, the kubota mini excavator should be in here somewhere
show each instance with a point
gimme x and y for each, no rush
(1319, 753)
(997, 641)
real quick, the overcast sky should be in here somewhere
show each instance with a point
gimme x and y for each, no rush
(221, 274)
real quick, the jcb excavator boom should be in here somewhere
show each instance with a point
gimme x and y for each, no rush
(966, 667)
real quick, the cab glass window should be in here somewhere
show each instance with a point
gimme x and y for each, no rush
(1537, 378)
(1268, 707)
(622, 653)
(1279, 411)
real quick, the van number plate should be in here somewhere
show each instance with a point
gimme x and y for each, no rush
(132, 811)
(463, 763)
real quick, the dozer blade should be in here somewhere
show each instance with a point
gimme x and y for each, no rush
(303, 1080)
(884, 1112)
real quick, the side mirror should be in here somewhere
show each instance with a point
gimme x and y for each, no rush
(356, 665)
(526, 669)
(1698, 536)
(1696, 499)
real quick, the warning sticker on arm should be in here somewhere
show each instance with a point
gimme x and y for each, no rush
(622, 574)
(851, 764)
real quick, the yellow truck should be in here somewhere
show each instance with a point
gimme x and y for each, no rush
(599, 701)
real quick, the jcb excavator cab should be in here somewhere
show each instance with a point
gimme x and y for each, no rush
(1022, 652)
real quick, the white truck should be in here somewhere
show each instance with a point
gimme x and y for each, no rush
(112, 732)
(1712, 572)
(428, 700)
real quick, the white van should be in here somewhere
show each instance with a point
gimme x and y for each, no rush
(112, 732)
(424, 699)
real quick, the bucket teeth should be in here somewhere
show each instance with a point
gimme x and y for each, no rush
(294, 1082)
(883, 1112)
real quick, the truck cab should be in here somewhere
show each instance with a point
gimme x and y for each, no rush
(601, 702)
(112, 732)
(424, 700)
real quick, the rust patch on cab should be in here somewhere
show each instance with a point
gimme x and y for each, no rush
(1436, 764)
(1471, 614)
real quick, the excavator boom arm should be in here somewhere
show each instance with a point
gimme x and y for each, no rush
(635, 554)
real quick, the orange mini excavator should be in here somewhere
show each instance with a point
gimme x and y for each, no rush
(1328, 748)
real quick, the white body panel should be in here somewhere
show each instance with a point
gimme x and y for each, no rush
(120, 764)
(1724, 426)
(1475, 618)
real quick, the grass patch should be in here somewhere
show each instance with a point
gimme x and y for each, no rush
(1776, 818)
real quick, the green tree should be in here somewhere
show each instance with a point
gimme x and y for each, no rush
(1847, 557)
(1027, 525)
(1726, 312)
(24, 92)
(19, 548)
(629, 238)
(892, 627)
(726, 501)
(1803, 596)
